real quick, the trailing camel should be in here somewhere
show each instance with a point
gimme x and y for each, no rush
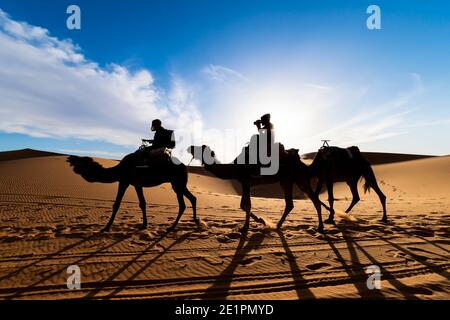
(333, 164)
(130, 171)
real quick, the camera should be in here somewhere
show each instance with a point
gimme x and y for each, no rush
(257, 122)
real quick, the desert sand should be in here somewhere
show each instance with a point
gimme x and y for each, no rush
(50, 219)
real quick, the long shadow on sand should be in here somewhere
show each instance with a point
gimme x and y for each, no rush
(357, 277)
(48, 256)
(436, 269)
(302, 293)
(412, 234)
(143, 268)
(109, 280)
(220, 288)
(60, 270)
(352, 245)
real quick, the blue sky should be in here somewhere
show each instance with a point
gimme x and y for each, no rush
(210, 68)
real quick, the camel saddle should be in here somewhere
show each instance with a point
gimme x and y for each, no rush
(335, 153)
(148, 156)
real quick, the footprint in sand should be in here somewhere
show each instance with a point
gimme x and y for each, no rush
(44, 236)
(250, 261)
(234, 235)
(146, 236)
(12, 239)
(213, 260)
(224, 239)
(408, 256)
(289, 235)
(317, 266)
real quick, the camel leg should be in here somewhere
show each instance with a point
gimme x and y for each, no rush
(142, 205)
(193, 201)
(257, 219)
(246, 205)
(319, 187)
(120, 192)
(287, 188)
(317, 193)
(371, 181)
(353, 184)
(182, 207)
(382, 197)
(330, 219)
(305, 186)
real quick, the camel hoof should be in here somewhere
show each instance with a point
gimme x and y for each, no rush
(330, 221)
(321, 230)
(105, 229)
(197, 221)
(143, 227)
(170, 229)
(384, 220)
(243, 229)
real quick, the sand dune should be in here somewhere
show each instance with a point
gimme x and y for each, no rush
(50, 218)
(380, 157)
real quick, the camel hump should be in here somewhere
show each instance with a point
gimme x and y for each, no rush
(336, 153)
(354, 152)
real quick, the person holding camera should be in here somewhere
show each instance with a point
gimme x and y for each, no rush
(264, 123)
(265, 129)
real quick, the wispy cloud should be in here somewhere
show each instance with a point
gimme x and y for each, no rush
(48, 88)
(377, 121)
(223, 74)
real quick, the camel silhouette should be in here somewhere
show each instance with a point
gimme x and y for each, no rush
(129, 172)
(333, 164)
(292, 170)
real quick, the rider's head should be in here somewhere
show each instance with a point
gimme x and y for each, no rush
(156, 124)
(265, 119)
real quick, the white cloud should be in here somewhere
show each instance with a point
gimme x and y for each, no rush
(222, 74)
(48, 88)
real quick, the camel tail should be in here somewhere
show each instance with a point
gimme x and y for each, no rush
(92, 171)
(369, 176)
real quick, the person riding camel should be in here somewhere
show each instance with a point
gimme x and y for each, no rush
(163, 141)
(266, 129)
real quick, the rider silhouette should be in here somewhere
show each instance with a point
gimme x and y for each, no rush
(163, 138)
(265, 129)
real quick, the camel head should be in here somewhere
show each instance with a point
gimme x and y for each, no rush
(293, 155)
(202, 153)
(293, 152)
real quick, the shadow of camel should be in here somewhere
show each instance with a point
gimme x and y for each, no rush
(220, 288)
(109, 280)
(63, 269)
(353, 246)
(148, 264)
(358, 277)
(302, 293)
(47, 256)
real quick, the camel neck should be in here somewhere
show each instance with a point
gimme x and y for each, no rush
(222, 171)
